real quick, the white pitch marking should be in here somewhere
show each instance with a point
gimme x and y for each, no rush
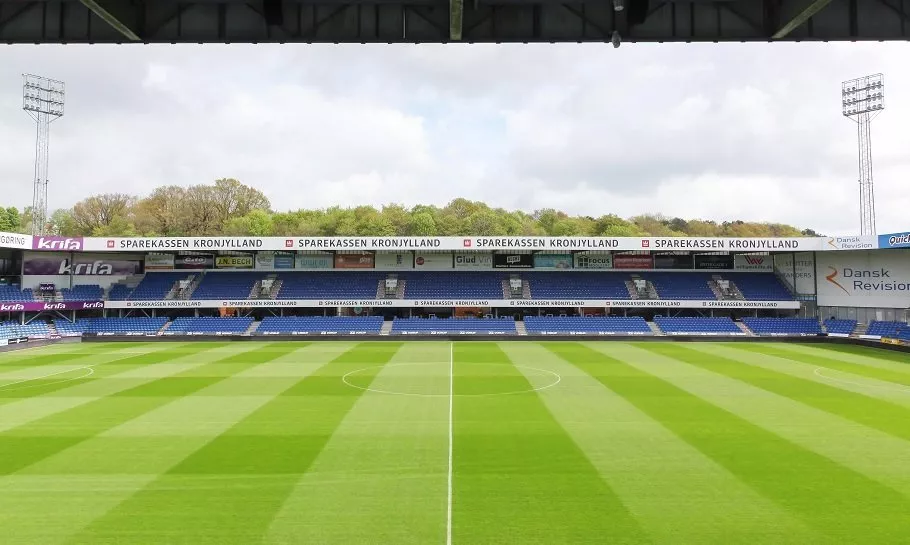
(451, 440)
(3, 387)
(876, 386)
(556, 376)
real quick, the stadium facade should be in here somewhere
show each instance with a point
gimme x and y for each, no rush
(266, 280)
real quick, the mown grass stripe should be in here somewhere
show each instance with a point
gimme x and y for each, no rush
(247, 472)
(677, 494)
(517, 470)
(868, 355)
(831, 363)
(868, 411)
(39, 439)
(839, 502)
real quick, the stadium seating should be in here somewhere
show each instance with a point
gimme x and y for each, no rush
(329, 285)
(691, 286)
(698, 326)
(454, 326)
(783, 326)
(885, 329)
(119, 292)
(761, 287)
(577, 285)
(12, 294)
(209, 326)
(226, 285)
(903, 333)
(82, 293)
(111, 326)
(448, 285)
(319, 324)
(839, 327)
(34, 329)
(153, 286)
(569, 325)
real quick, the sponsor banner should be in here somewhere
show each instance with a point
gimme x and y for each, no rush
(676, 262)
(38, 306)
(513, 261)
(443, 303)
(352, 244)
(314, 261)
(553, 261)
(354, 261)
(15, 240)
(265, 260)
(159, 262)
(756, 263)
(80, 266)
(864, 279)
(473, 261)
(284, 260)
(584, 260)
(627, 261)
(274, 260)
(395, 261)
(194, 261)
(894, 240)
(58, 244)
(434, 262)
(713, 262)
(797, 271)
(852, 243)
(234, 262)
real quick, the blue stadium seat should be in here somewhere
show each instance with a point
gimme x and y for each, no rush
(686, 285)
(448, 285)
(12, 294)
(761, 286)
(840, 327)
(299, 325)
(577, 285)
(88, 292)
(454, 326)
(111, 326)
(156, 285)
(209, 326)
(329, 285)
(884, 329)
(34, 329)
(698, 326)
(577, 325)
(783, 326)
(227, 285)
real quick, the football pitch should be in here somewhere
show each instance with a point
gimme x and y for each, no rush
(454, 443)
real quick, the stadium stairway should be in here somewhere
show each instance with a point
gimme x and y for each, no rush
(745, 329)
(654, 329)
(164, 327)
(860, 330)
(520, 327)
(386, 327)
(253, 327)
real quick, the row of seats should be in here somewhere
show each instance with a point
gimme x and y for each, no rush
(840, 327)
(536, 325)
(132, 325)
(437, 285)
(10, 330)
(309, 324)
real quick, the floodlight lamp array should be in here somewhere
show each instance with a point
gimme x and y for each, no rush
(863, 96)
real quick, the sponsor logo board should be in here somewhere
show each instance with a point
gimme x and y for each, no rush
(37, 306)
(394, 261)
(593, 261)
(445, 303)
(553, 261)
(433, 261)
(756, 263)
(894, 240)
(234, 262)
(314, 261)
(853, 243)
(16, 240)
(194, 261)
(354, 261)
(58, 244)
(627, 261)
(479, 260)
(80, 266)
(864, 279)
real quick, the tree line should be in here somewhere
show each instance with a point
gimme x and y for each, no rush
(228, 207)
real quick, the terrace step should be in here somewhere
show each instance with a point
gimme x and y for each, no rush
(520, 327)
(164, 327)
(253, 327)
(745, 329)
(654, 329)
(386, 328)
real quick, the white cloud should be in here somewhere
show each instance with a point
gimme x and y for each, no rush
(712, 131)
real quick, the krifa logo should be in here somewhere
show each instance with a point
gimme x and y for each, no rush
(833, 279)
(57, 243)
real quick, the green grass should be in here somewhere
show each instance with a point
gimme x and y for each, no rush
(348, 442)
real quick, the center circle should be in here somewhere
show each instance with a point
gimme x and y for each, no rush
(421, 379)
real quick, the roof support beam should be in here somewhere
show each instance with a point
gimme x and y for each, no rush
(814, 7)
(103, 13)
(456, 19)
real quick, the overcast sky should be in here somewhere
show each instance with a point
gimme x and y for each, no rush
(698, 131)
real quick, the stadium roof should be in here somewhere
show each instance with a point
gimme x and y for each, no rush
(409, 21)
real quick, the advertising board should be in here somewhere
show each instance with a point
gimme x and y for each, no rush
(194, 261)
(894, 240)
(58, 244)
(394, 261)
(864, 279)
(633, 261)
(713, 262)
(234, 262)
(15, 240)
(37, 306)
(797, 271)
(314, 261)
(433, 261)
(473, 260)
(675, 262)
(754, 263)
(513, 261)
(159, 262)
(61, 265)
(274, 260)
(592, 260)
(553, 261)
(354, 261)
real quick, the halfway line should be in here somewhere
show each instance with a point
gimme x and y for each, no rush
(451, 437)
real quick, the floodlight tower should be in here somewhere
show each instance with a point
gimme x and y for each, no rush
(42, 99)
(863, 99)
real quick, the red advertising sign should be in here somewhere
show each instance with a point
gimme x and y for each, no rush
(625, 261)
(354, 261)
